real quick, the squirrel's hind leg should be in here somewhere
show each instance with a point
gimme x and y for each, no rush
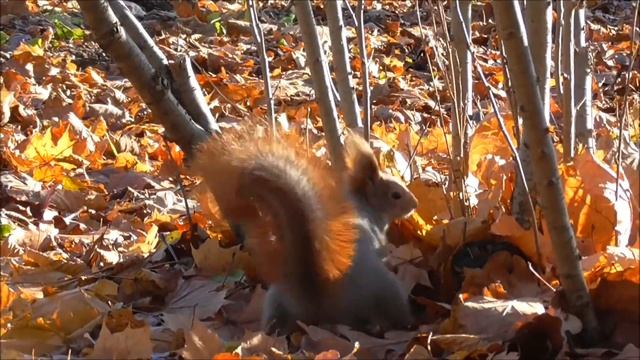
(278, 317)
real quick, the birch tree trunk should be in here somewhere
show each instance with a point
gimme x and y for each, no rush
(557, 45)
(538, 22)
(583, 97)
(568, 104)
(511, 28)
(364, 58)
(317, 64)
(154, 89)
(460, 69)
(460, 30)
(340, 51)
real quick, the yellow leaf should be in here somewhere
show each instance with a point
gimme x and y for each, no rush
(43, 149)
(432, 202)
(599, 219)
(489, 140)
(71, 184)
(396, 66)
(48, 173)
(125, 160)
(6, 296)
(25, 52)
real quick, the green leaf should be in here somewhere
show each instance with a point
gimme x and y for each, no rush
(4, 37)
(64, 32)
(36, 42)
(231, 277)
(174, 237)
(220, 30)
(215, 19)
(289, 19)
(5, 230)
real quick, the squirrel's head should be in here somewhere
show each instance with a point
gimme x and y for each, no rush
(385, 194)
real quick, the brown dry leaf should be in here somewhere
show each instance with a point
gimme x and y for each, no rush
(247, 313)
(392, 345)
(257, 343)
(318, 340)
(540, 337)
(462, 344)
(630, 351)
(55, 261)
(496, 174)
(193, 299)
(598, 218)
(512, 274)
(212, 259)
(507, 227)
(418, 352)
(24, 342)
(201, 342)
(132, 342)
(104, 289)
(491, 318)
(432, 201)
(71, 312)
(614, 279)
(410, 275)
(72, 200)
(141, 283)
(457, 231)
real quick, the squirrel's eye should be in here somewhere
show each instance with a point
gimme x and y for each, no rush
(396, 195)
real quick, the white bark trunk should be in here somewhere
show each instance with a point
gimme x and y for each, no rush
(364, 74)
(538, 22)
(584, 120)
(568, 104)
(510, 28)
(317, 64)
(340, 51)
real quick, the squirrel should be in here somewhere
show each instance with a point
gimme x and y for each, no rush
(324, 268)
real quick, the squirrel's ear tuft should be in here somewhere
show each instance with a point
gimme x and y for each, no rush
(363, 167)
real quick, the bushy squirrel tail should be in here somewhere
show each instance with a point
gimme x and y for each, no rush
(255, 178)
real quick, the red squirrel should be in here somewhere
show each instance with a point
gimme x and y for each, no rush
(326, 270)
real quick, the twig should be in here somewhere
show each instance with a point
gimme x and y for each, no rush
(535, 273)
(258, 36)
(624, 101)
(419, 20)
(164, 241)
